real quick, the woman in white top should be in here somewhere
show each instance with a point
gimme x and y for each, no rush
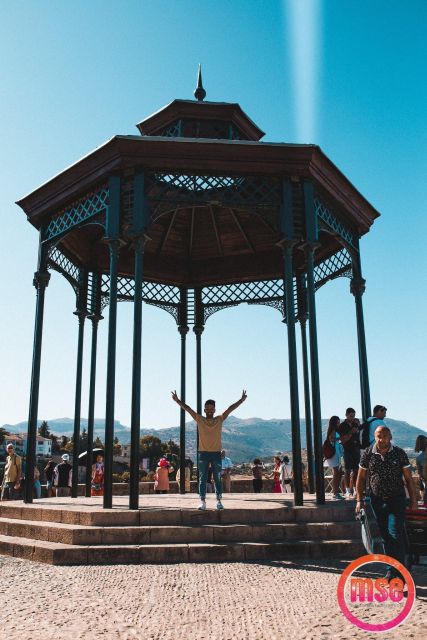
(334, 461)
(286, 475)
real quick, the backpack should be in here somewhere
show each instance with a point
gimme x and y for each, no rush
(365, 440)
(328, 449)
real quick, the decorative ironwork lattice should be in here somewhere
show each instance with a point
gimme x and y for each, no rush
(63, 265)
(333, 222)
(338, 265)
(82, 210)
(160, 295)
(209, 189)
(210, 310)
(173, 130)
(269, 292)
(218, 129)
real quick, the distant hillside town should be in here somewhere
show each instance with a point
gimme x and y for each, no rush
(244, 439)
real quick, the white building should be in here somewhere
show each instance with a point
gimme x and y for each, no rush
(19, 441)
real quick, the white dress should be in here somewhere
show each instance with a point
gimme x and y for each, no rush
(336, 458)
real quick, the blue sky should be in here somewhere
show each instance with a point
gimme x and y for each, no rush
(75, 74)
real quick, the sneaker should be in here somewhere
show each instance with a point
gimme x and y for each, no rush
(219, 505)
(202, 505)
(338, 496)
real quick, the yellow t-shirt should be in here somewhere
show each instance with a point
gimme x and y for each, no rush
(209, 432)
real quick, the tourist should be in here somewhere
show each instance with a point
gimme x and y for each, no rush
(384, 464)
(226, 467)
(334, 462)
(286, 475)
(421, 461)
(257, 472)
(48, 471)
(349, 435)
(37, 485)
(97, 477)
(62, 477)
(277, 487)
(209, 429)
(11, 484)
(161, 476)
(378, 414)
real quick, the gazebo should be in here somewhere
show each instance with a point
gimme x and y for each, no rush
(194, 215)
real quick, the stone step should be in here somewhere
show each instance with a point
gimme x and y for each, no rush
(64, 554)
(118, 517)
(75, 534)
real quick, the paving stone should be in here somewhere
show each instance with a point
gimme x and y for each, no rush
(196, 517)
(160, 516)
(216, 552)
(163, 554)
(125, 535)
(232, 533)
(113, 554)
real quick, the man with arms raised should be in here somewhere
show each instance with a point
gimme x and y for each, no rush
(210, 429)
(386, 464)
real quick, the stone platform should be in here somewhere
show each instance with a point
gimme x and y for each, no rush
(170, 529)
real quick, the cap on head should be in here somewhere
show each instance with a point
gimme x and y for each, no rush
(65, 457)
(9, 445)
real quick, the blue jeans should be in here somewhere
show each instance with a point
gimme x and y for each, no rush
(212, 458)
(37, 488)
(390, 515)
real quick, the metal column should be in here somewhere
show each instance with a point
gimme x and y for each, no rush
(357, 288)
(95, 316)
(113, 218)
(81, 313)
(41, 281)
(288, 243)
(198, 330)
(311, 245)
(183, 330)
(302, 317)
(140, 215)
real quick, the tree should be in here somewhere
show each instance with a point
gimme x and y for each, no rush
(151, 448)
(83, 441)
(55, 444)
(98, 443)
(3, 434)
(44, 430)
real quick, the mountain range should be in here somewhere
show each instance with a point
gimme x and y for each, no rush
(243, 440)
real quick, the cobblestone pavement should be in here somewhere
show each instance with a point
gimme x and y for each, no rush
(236, 601)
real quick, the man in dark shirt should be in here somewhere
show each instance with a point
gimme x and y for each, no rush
(349, 436)
(385, 463)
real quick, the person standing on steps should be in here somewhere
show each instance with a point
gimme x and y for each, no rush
(210, 429)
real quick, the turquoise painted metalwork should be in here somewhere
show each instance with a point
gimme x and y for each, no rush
(77, 213)
(333, 222)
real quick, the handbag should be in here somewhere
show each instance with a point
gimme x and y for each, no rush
(328, 449)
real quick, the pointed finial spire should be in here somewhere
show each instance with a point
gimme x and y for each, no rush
(199, 92)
